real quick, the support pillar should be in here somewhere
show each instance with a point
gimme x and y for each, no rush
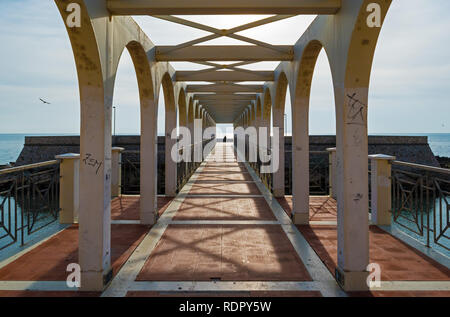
(116, 174)
(300, 161)
(69, 170)
(381, 189)
(332, 172)
(96, 68)
(278, 175)
(171, 165)
(95, 190)
(352, 190)
(148, 209)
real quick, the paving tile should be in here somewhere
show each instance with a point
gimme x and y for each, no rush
(225, 252)
(48, 261)
(320, 208)
(224, 176)
(224, 189)
(48, 294)
(401, 294)
(226, 294)
(204, 208)
(398, 261)
(224, 169)
(127, 207)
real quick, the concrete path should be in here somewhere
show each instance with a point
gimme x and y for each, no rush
(224, 233)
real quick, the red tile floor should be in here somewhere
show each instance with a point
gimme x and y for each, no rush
(230, 251)
(224, 252)
(321, 208)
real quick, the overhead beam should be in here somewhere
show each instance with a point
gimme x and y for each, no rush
(225, 105)
(195, 7)
(224, 53)
(225, 88)
(229, 76)
(218, 97)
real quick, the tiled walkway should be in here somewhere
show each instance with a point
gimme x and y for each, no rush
(223, 234)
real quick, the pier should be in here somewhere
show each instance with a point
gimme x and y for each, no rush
(219, 220)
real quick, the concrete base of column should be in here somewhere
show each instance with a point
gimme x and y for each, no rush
(171, 193)
(148, 218)
(95, 281)
(278, 192)
(300, 218)
(352, 281)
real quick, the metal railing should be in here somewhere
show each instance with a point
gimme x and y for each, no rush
(29, 200)
(420, 202)
(130, 167)
(318, 170)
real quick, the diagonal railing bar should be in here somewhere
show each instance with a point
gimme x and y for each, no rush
(227, 32)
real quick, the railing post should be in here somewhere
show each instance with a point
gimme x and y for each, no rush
(332, 172)
(69, 187)
(381, 199)
(116, 175)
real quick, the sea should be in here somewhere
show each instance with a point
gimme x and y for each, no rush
(11, 144)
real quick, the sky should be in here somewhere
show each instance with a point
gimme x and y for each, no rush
(409, 88)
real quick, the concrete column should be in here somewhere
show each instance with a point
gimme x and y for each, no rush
(116, 175)
(95, 191)
(190, 126)
(149, 163)
(69, 169)
(332, 171)
(352, 190)
(256, 124)
(381, 188)
(265, 124)
(278, 175)
(171, 165)
(300, 161)
(96, 69)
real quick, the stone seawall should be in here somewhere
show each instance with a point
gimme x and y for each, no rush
(414, 149)
(44, 148)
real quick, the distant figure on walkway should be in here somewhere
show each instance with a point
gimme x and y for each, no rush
(224, 139)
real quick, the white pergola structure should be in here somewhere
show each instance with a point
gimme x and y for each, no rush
(341, 29)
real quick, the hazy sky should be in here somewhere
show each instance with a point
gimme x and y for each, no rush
(409, 89)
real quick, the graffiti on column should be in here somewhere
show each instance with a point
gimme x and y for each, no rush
(90, 161)
(355, 113)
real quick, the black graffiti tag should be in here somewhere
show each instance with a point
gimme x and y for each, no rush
(356, 111)
(90, 161)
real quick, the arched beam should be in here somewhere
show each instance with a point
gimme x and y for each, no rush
(170, 126)
(278, 122)
(349, 42)
(148, 146)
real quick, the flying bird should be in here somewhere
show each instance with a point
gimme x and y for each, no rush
(46, 102)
